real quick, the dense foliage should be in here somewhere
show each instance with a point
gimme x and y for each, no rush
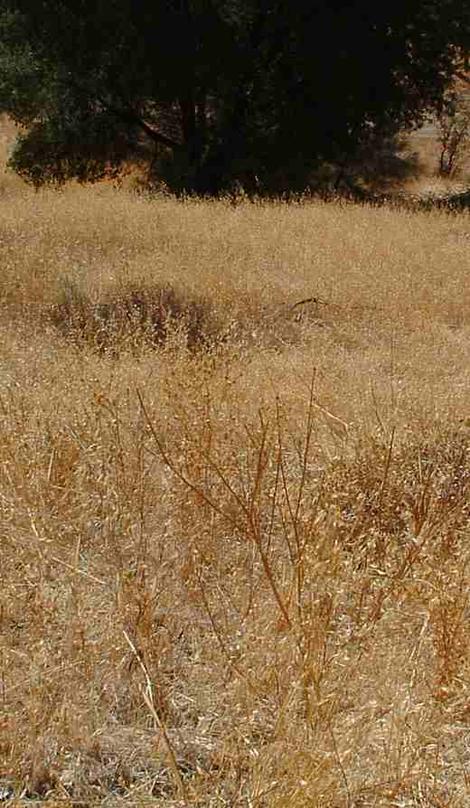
(217, 92)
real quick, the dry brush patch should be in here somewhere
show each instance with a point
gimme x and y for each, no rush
(135, 318)
(236, 575)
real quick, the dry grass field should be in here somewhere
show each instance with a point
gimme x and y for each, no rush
(235, 526)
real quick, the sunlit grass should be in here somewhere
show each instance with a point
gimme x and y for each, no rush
(234, 568)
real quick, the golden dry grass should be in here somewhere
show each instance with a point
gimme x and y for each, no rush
(235, 570)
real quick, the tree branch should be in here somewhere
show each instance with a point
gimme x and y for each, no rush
(130, 115)
(158, 137)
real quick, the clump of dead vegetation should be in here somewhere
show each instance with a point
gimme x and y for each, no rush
(136, 318)
(139, 319)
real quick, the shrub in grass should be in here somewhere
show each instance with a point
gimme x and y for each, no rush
(137, 317)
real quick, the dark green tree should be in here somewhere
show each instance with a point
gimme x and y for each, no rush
(217, 92)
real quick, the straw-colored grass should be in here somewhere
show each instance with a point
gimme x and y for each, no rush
(234, 525)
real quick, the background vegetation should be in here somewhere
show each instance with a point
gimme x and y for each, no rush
(215, 95)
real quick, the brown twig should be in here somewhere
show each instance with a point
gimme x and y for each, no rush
(316, 300)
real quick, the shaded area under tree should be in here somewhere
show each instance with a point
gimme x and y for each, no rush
(217, 95)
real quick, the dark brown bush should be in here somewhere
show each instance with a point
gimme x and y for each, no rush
(138, 317)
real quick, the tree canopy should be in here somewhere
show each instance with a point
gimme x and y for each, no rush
(216, 92)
